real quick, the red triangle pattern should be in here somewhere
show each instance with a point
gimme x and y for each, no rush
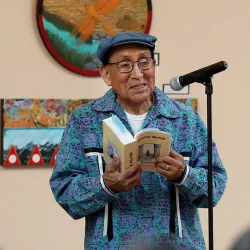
(12, 158)
(36, 157)
(53, 158)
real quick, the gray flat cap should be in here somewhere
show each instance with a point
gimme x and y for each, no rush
(124, 38)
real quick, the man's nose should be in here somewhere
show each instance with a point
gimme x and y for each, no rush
(136, 72)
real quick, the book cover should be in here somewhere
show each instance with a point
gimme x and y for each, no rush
(145, 146)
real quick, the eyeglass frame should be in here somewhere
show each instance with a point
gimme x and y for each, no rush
(116, 63)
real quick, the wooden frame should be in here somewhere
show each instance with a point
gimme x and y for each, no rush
(166, 88)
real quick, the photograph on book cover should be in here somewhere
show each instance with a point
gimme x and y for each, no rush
(71, 30)
(111, 150)
(31, 129)
(148, 151)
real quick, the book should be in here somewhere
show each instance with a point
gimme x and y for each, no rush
(144, 146)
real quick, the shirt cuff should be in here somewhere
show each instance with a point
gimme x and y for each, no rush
(107, 189)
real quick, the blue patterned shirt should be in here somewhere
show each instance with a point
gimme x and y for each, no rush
(143, 216)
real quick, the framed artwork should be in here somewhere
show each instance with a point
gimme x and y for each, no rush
(168, 90)
(72, 29)
(157, 58)
(192, 102)
(1, 131)
(31, 129)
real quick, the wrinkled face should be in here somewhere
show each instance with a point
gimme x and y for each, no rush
(131, 88)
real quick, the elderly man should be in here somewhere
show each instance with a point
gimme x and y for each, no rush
(134, 208)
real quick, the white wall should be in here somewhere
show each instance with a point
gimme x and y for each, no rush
(191, 34)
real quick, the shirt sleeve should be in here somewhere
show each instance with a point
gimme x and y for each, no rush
(77, 193)
(194, 188)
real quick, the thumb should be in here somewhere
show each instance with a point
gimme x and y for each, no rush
(115, 164)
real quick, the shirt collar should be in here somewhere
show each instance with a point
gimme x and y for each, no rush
(163, 105)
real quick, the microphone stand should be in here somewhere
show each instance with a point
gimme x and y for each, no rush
(204, 76)
(207, 81)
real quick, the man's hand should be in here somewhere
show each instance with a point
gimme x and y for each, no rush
(172, 166)
(122, 182)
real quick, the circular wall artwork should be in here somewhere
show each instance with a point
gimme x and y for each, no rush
(72, 29)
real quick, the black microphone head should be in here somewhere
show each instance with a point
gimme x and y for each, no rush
(175, 84)
(225, 64)
(222, 65)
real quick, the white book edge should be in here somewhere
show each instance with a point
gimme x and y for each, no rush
(125, 136)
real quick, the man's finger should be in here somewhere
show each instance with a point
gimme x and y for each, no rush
(164, 166)
(164, 159)
(115, 164)
(174, 154)
(132, 170)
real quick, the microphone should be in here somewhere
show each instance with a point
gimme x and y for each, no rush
(200, 75)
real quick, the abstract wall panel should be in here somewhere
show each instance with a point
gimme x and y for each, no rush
(31, 129)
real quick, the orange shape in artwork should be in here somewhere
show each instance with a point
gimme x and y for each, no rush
(94, 14)
(12, 158)
(53, 158)
(36, 157)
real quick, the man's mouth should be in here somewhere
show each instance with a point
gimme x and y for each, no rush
(138, 86)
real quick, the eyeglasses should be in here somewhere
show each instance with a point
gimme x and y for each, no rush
(127, 66)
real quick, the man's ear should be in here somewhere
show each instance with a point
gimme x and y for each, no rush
(154, 63)
(105, 75)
